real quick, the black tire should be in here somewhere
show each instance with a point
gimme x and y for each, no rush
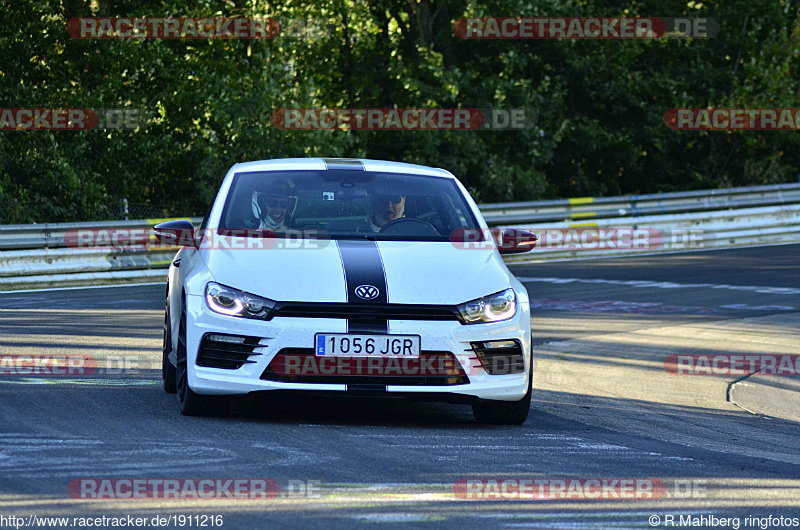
(167, 368)
(505, 412)
(191, 403)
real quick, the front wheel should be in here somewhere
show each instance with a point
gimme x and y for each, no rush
(193, 404)
(505, 412)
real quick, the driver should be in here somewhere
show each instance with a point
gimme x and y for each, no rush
(275, 205)
(386, 208)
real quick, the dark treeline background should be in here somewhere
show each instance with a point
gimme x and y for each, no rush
(600, 103)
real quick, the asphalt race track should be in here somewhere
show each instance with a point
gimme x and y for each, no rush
(604, 407)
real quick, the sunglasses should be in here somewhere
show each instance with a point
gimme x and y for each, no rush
(273, 202)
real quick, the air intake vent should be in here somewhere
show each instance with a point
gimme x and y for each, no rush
(500, 357)
(226, 351)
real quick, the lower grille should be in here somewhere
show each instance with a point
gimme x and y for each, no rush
(300, 365)
(501, 357)
(225, 351)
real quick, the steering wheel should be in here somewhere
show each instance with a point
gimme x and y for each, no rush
(419, 228)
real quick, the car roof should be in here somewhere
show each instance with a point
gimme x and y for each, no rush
(321, 164)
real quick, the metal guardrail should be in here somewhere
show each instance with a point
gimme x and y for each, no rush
(34, 256)
(671, 232)
(52, 235)
(640, 205)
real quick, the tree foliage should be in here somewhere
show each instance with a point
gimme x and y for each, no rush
(599, 103)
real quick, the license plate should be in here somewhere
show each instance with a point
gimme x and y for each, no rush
(354, 345)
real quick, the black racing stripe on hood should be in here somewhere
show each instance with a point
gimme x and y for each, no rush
(365, 282)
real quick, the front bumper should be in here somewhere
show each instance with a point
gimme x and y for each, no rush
(282, 333)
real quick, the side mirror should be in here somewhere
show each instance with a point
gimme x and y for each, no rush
(514, 240)
(178, 233)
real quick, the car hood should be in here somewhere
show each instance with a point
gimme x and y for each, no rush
(412, 272)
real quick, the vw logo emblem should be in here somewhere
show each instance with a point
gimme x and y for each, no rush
(367, 292)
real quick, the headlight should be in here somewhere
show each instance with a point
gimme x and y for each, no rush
(492, 308)
(232, 302)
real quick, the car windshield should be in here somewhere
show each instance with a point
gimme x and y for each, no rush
(343, 204)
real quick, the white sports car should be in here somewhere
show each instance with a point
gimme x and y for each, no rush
(354, 277)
